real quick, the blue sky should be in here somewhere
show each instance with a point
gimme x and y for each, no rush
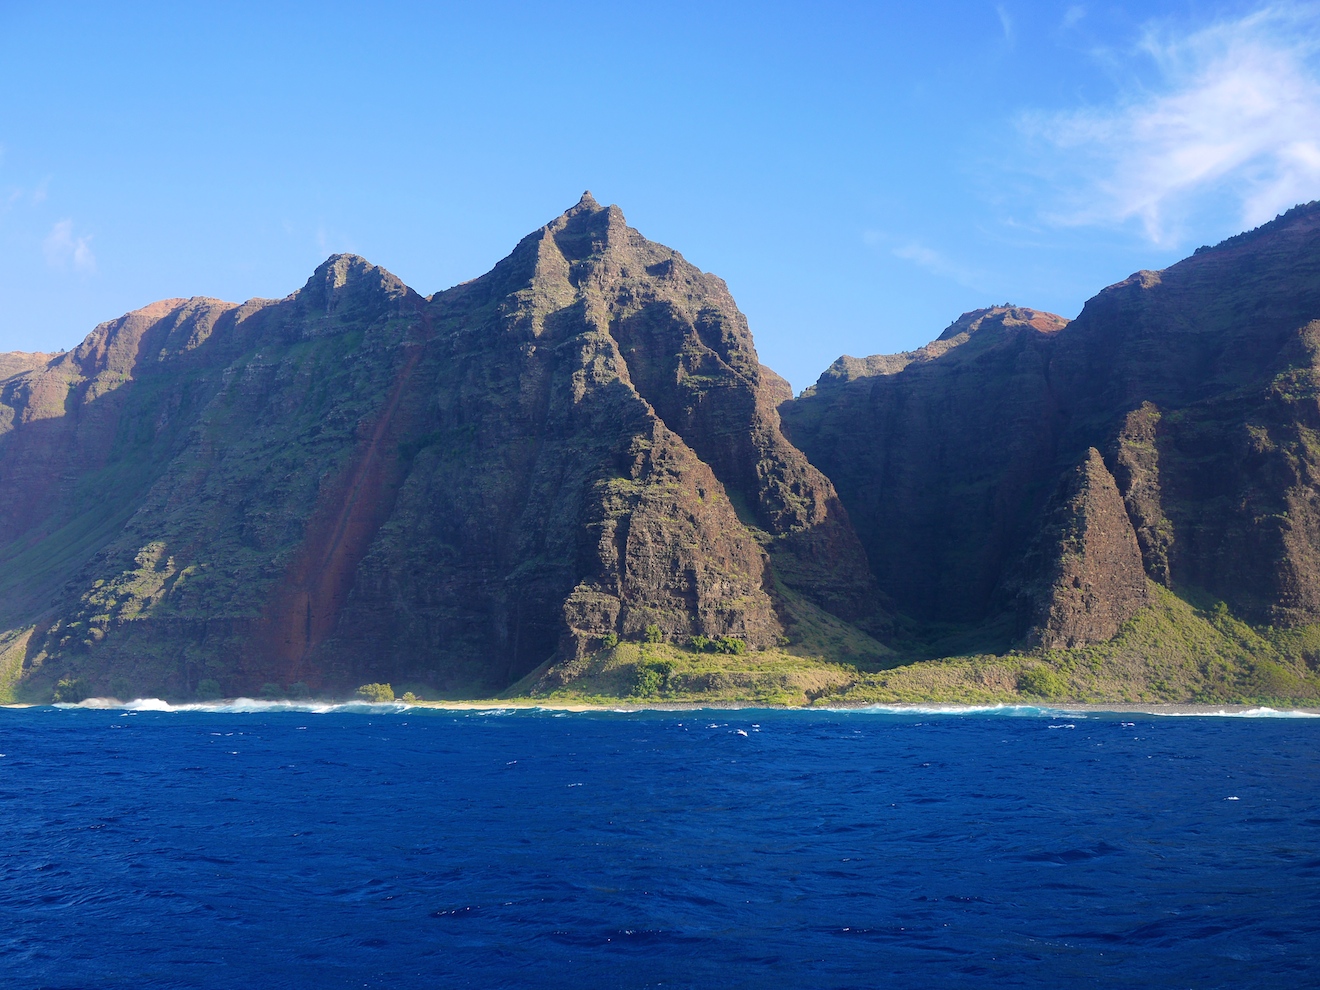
(859, 173)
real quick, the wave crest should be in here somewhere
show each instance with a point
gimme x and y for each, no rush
(239, 706)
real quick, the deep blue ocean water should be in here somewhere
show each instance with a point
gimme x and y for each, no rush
(421, 848)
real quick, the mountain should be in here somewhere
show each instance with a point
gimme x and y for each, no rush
(359, 483)
(984, 473)
(573, 477)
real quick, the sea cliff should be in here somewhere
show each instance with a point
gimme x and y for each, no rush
(572, 477)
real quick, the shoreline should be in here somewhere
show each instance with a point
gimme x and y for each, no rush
(918, 707)
(254, 706)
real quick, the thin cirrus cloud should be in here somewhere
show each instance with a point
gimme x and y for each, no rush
(1235, 113)
(1005, 23)
(1072, 16)
(931, 260)
(64, 249)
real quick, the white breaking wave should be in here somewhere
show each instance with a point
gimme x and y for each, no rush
(1033, 711)
(1242, 713)
(239, 706)
(259, 705)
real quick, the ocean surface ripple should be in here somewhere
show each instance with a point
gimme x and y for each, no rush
(270, 846)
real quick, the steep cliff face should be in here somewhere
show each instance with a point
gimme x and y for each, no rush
(77, 448)
(357, 482)
(1198, 383)
(163, 473)
(1223, 349)
(937, 455)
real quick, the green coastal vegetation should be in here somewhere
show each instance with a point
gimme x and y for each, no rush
(1171, 652)
(1179, 649)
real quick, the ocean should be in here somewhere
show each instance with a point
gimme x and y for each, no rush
(380, 846)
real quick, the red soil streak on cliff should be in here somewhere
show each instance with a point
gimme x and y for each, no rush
(1046, 322)
(305, 610)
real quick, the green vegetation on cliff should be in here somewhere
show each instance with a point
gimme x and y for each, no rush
(1170, 652)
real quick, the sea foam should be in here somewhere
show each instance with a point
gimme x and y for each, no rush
(238, 706)
(1241, 713)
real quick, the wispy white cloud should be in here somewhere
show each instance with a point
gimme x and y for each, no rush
(1235, 112)
(1072, 16)
(1005, 22)
(930, 260)
(64, 249)
(18, 194)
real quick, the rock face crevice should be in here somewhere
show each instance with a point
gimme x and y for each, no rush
(943, 458)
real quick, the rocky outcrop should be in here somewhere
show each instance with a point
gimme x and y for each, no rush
(1136, 459)
(1083, 575)
(1001, 318)
(16, 362)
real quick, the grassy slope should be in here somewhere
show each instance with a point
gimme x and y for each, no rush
(1171, 652)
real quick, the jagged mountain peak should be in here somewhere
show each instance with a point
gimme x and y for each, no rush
(587, 230)
(349, 280)
(541, 261)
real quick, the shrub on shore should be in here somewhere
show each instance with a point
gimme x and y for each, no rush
(376, 692)
(720, 644)
(71, 690)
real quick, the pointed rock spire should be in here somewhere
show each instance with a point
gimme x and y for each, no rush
(1090, 578)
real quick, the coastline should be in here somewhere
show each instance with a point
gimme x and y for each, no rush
(1041, 708)
(1118, 708)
